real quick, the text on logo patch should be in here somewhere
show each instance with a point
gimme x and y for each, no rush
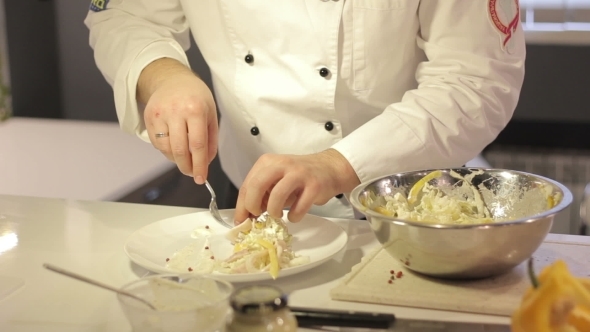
(98, 5)
(505, 15)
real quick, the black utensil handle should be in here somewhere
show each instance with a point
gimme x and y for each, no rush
(342, 318)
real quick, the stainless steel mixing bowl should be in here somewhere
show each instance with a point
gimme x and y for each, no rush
(472, 250)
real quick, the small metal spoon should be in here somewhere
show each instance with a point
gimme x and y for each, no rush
(96, 283)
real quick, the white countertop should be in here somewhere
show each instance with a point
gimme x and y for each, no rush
(72, 159)
(88, 237)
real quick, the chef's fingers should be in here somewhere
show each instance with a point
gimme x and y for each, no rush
(264, 203)
(160, 143)
(259, 181)
(291, 200)
(240, 217)
(198, 146)
(212, 138)
(302, 205)
(179, 146)
(285, 188)
(254, 195)
(241, 213)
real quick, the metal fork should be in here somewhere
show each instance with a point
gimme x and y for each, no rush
(213, 206)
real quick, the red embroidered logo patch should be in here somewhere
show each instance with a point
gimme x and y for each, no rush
(505, 15)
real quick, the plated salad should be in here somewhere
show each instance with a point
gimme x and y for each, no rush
(261, 244)
(257, 245)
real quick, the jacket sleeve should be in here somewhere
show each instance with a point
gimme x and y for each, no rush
(126, 36)
(467, 91)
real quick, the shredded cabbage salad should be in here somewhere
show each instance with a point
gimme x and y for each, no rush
(261, 244)
(434, 206)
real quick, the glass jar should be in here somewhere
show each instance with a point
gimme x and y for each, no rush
(260, 309)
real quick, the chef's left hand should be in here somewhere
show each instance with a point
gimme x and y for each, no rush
(296, 181)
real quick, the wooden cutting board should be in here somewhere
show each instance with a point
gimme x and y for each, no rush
(368, 282)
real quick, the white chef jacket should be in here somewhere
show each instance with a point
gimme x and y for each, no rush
(393, 85)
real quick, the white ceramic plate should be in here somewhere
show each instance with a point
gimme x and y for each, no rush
(148, 247)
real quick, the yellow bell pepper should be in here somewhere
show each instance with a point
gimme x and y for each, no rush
(417, 187)
(272, 254)
(557, 301)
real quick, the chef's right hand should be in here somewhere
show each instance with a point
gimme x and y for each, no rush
(179, 103)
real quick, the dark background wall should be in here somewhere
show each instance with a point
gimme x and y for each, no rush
(554, 106)
(34, 57)
(557, 84)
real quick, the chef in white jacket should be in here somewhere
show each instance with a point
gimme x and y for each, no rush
(315, 96)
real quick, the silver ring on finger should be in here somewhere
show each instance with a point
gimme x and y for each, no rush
(160, 135)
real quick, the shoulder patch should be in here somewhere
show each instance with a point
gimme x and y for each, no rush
(98, 5)
(504, 16)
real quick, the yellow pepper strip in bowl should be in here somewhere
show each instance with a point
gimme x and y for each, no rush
(417, 187)
(557, 301)
(384, 211)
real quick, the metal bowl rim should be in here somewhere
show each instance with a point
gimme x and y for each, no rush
(565, 202)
